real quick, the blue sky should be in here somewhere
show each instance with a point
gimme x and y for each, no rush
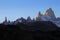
(14, 9)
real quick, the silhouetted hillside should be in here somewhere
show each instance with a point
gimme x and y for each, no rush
(39, 25)
(31, 31)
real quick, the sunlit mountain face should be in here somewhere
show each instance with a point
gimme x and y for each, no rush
(50, 12)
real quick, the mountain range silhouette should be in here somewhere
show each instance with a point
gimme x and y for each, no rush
(44, 27)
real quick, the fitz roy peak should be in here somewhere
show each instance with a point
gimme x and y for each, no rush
(48, 15)
(50, 12)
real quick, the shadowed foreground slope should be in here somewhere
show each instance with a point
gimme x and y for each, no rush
(30, 31)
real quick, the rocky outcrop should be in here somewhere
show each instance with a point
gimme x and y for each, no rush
(29, 19)
(38, 16)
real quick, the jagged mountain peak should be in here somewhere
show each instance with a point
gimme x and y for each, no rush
(38, 15)
(49, 9)
(50, 12)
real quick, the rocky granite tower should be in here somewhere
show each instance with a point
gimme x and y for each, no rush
(38, 16)
(5, 19)
(50, 12)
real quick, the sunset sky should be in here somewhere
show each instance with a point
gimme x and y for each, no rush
(14, 9)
